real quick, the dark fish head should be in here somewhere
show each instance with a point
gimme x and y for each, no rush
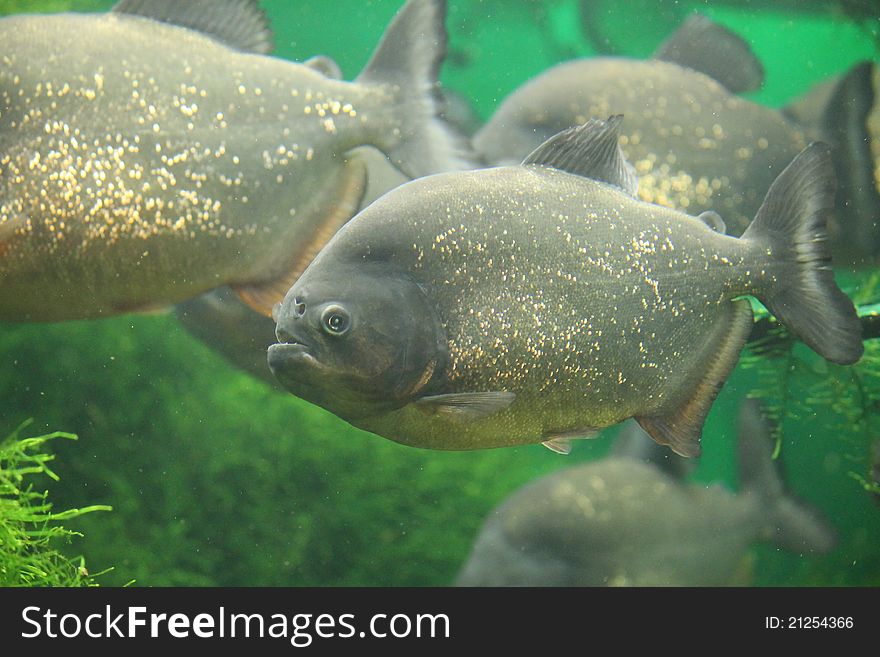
(357, 342)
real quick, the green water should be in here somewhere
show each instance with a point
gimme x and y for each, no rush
(216, 479)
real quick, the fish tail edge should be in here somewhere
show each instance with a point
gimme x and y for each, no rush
(791, 227)
(409, 58)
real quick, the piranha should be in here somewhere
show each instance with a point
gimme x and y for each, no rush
(695, 144)
(543, 302)
(625, 521)
(154, 152)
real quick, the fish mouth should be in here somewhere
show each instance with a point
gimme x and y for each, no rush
(291, 342)
(286, 357)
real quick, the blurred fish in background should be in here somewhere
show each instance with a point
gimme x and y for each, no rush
(610, 37)
(695, 143)
(631, 519)
(166, 155)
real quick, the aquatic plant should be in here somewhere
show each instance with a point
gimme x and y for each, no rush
(795, 385)
(827, 418)
(52, 6)
(29, 529)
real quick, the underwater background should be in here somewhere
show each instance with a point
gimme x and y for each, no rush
(216, 479)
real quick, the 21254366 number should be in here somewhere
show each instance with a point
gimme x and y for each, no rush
(808, 622)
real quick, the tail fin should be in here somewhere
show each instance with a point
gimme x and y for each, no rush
(408, 61)
(795, 526)
(791, 226)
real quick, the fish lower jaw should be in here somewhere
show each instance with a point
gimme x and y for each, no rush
(284, 356)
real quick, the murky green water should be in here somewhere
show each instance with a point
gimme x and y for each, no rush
(217, 479)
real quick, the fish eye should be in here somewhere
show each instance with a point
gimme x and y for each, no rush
(335, 320)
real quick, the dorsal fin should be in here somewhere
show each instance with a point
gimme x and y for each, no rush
(754, 449)
(590, 150)
(325, 65)
(710, 48)
(240, 24)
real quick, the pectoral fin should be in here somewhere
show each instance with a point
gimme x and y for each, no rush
(263, 296)
(467, 406)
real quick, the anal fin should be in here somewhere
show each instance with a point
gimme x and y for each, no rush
(262, 296)
(681, 427)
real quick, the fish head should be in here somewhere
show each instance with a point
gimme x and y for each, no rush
(357, 341)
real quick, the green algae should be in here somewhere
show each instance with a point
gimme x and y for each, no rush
(30, 530)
